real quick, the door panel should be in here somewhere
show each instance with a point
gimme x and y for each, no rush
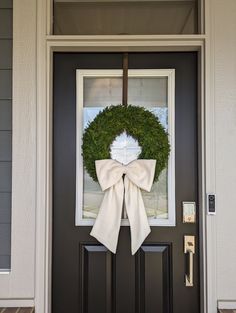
(97, 277)
(154, 278)
(86, 277)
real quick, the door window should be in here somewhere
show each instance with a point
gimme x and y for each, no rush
(153, 89)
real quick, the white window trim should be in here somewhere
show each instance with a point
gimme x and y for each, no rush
(170, 75)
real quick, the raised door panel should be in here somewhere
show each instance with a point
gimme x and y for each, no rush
(101, 280)
(96, 279)
(154, 279)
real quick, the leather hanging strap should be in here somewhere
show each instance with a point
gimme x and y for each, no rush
(125, 79)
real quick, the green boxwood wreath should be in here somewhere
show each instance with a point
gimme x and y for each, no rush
(138, 122)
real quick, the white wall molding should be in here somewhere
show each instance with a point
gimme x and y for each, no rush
(19, 283)
(16, 303)
(43, 241)
(210, 175)
(227, 304)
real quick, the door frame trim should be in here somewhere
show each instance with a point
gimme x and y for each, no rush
(46, 45)
(44, 153)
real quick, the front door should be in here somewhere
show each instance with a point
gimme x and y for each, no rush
(163, 276)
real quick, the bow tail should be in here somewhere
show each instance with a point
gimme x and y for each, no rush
(139, 226)
(107, 225)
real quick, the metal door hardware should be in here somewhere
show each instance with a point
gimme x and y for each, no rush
(189, 250)
(189, 212)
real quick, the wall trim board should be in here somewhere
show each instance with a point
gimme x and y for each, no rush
(227, 304)
(14, 303)
(19, 283)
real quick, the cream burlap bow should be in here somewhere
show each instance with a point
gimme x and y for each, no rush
(138, 175)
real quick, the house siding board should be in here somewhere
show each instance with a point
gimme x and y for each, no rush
(5, 115)
(5, 53)
(5, 207)
(5, 260)
(5, 230)
(6, 4)
(6, 23)
(5, 145)
(5, 84)
(5, 131)
(5, 176)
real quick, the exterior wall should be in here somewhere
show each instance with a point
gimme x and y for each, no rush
(21, 283)
(17, 287)
(225, 134)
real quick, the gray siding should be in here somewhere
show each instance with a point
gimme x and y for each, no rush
(6, 4)
(5, 131)
(5, 115)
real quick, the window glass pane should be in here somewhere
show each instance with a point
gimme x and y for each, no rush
(148, 92)
(80, 17)
(152, 94)
(102, 91)
(98, 93)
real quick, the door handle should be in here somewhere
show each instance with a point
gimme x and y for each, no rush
(189, 250)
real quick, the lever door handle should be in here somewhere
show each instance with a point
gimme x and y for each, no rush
(189, 250)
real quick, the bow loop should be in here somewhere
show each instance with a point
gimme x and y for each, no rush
(109, 172)
(141, 173)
